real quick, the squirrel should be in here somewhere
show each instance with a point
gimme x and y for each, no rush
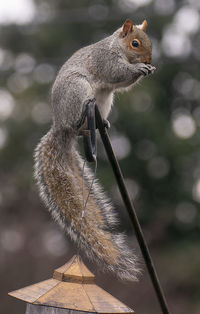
(93, 72)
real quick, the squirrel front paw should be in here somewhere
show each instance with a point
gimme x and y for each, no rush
(146, 69)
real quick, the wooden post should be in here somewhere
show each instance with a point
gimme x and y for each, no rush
(71, 290)
(41, 309)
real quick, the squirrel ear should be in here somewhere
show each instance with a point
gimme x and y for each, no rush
(126, 28)
(143, 26)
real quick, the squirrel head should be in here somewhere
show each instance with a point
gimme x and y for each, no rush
(135, 42)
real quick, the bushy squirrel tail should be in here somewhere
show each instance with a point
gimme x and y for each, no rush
(63, 184)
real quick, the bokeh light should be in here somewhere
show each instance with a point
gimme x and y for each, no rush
(19, 11)
(7, 104)
(121, 145)
(44, 73)
(196, 190)
(186, 212)
(183, 125)
(24, 63)
(3, 137)
(11, 240)
(158, 167)
(41, 113)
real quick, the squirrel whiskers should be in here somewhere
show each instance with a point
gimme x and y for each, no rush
(94, 72)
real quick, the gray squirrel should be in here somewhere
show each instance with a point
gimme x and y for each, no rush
(93, 72)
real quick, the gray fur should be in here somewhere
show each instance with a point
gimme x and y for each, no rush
(93, 72)
(127, 266)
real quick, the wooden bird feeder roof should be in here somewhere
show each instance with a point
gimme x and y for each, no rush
(72, 287)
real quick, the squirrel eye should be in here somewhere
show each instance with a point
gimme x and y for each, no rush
(135, 43)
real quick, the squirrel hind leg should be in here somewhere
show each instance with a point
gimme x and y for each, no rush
(68, 105)
(84, 115)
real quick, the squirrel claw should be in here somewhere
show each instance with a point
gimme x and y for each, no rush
(106, 124)
(150, 69)
(146, 69)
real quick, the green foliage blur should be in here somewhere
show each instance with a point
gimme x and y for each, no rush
(155, 132)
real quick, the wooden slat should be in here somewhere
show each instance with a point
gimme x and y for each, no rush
(74, 271)
(61, 270)
(32, 293)
(67, 295)
(39, 309)
(104, 302)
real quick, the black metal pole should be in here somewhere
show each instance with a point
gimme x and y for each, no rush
(131, 212)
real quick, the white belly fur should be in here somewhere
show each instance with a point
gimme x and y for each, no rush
(104, 98)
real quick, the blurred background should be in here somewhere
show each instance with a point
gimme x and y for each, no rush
(155, 134)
